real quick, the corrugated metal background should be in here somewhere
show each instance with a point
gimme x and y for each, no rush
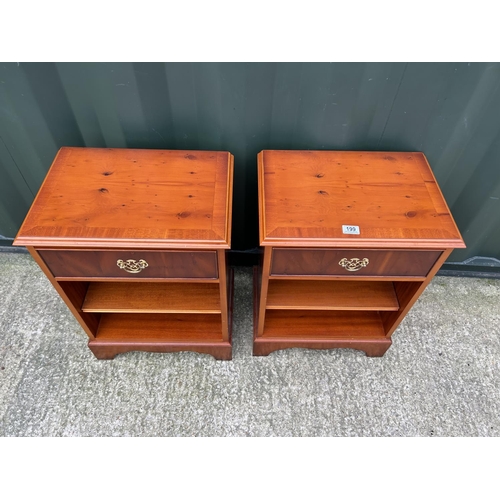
(449, 111)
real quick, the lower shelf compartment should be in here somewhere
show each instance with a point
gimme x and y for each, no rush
(322, 325)
(285, 329)
(322, 330)
(120, 332)
(332, 295)
(159, 328)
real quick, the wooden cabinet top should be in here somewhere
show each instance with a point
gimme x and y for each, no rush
(133, 197)
(393, 199)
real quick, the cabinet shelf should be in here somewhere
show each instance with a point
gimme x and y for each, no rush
(323, 325)
(152, 298)
(332, 295)
(158, 328)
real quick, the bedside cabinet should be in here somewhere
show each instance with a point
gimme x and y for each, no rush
(135, 243)
(351, 239)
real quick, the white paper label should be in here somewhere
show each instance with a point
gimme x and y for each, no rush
(350, 229)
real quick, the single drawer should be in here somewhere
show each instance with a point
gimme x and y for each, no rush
(349, 262)
(130, 263)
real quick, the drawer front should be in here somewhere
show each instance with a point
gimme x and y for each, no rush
(349, 262)
(130, 264)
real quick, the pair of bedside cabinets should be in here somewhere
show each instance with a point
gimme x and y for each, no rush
(135, 242)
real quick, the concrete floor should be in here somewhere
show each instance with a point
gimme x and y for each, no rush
(441, 377)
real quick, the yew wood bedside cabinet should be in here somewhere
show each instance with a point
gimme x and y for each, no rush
(135, 243)
(351, 239)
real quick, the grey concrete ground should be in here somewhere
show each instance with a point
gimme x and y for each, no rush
(441, 377)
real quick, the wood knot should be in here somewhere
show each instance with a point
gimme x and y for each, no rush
(319, 175)
(389, 158)
(107, 173)
(103, 190)
(410, 214)
(322, 192)
(183, 215)
(190, 157)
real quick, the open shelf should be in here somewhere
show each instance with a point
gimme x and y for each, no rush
(160, 328)
(332, 295)
(323, 325)
(197, 329)
(152, 298)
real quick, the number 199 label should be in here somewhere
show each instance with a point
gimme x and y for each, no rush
(350, 229)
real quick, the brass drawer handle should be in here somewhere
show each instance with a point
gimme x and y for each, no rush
(353, 264)
(132, 266)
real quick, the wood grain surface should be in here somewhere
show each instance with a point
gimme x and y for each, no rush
(116, 197)
(307, 196)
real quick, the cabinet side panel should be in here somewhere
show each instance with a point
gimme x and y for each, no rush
(223, 286)
(76, 292)
(266, 267)
(408, 293)
(89, 322)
